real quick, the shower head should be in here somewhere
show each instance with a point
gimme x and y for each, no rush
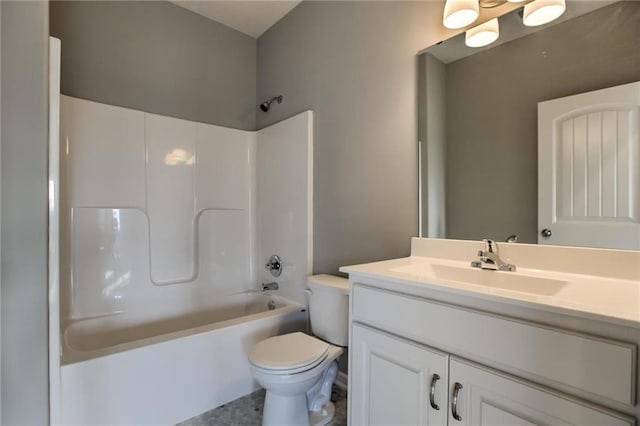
(267, 104)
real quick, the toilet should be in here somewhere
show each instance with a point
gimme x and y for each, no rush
(298, 370)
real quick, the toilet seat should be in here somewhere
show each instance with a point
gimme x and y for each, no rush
(289, 353)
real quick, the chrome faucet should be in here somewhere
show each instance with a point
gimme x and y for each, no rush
(512, 238)
(489, 258)
(269, 286)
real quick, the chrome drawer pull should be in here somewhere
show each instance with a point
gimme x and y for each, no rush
(432, 394)
(454, 403)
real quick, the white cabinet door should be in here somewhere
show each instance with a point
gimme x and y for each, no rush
(589, 169)
(488, 398)
(390, 381)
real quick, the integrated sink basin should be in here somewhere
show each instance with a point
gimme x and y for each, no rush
(580, 282)
(498, 279)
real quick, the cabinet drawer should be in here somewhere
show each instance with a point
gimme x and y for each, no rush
(600, 367)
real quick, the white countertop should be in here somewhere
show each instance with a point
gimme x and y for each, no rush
(613, 300)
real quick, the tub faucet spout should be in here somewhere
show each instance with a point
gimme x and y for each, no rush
(269, 286)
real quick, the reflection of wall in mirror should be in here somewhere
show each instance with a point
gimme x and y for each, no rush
(491, 176)
(432, 133)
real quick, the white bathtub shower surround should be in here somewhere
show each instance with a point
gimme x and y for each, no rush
(170, 377)
(172, 158)
(54, 231)
(159, 251)
(284, 189)
(161, 212)
(144, 204)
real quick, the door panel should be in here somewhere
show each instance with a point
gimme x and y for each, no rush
(589, 168)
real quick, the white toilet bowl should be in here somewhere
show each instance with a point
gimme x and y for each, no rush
(297, 371)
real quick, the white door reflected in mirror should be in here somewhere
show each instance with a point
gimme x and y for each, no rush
(589, 169)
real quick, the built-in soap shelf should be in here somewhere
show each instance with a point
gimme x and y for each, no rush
(111, 248)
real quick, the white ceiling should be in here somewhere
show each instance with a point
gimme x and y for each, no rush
(252, 17)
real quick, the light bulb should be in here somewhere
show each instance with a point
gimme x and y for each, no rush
(460, 13)
(540, 12)
(483, 34)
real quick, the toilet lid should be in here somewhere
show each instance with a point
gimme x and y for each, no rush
(288, 351)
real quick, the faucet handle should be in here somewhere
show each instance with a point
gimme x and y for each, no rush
(512, 238)
(490, 245)
(274, 265)
(489, 258)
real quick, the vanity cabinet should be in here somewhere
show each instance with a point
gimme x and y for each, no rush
(415, 361)
(489, 398)
(396, 382)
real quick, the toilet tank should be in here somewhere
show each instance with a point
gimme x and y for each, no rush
(329, 308)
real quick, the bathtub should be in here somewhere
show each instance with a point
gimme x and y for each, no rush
(119, 370)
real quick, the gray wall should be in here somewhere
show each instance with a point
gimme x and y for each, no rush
(492, 158)
(354, 64)
(157, 57)
(435, 146)
(24, 355)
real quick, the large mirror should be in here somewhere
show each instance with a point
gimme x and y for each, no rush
(479, 131)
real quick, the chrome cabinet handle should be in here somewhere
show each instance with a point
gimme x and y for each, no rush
(454, 403)
(546, 233)
(432, 394)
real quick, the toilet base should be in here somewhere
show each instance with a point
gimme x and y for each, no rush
(323, 416)
(290, 411)
(285, 410)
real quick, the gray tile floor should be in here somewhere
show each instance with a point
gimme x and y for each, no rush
(247, 411)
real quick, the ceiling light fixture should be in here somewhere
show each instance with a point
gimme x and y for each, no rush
(483, 34)
(540, 12)
(460, 13)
